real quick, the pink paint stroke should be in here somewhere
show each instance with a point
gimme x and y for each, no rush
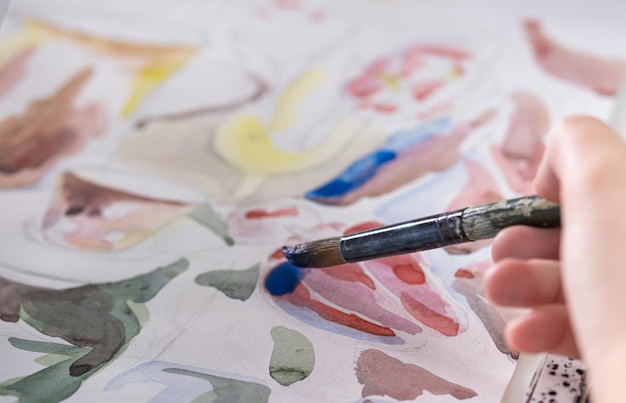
(603, 76)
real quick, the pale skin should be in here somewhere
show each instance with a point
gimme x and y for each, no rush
(573, 278)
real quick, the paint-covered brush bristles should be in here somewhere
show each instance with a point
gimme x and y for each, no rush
(322, 253)
(437, 231)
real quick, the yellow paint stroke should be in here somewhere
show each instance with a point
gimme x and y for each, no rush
(244, 141)
(391, 81)
(292, 97)
(147, 79)
(159, 61)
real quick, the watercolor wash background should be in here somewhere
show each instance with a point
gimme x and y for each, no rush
(208, 134)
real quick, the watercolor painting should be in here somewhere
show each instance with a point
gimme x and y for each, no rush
(156, 156)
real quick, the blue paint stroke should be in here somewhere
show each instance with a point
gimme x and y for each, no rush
(185, 384)
(365, 168)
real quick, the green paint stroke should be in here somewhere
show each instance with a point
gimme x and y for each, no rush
(226, 390)
(97, 320)
(293, 357)
(236, 284)
(206, 216)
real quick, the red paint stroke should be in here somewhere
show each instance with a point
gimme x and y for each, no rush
(463, 273)
(402, 66)
(435, 111)
(262, 13)
(277, 254)
(288, 4)
(301, 297)
(13, 71)
(382, 108)
(603, 76)
(443, 324)
(383, 375)
(355, 297)
(453, 53)
(458, 70)
(350, 272)
(421, 91)
(405, 268)
(364, 86)
(265, 213)
(318, 15)
(419, 300)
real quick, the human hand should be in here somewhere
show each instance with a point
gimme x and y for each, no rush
(572, 278)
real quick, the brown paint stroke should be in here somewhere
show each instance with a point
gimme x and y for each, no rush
(49, 129)
(112, 46)
(84, 203)
(89, 198)
(381, 374)
(260, 90)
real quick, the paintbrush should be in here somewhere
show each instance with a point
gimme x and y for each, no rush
(436, 231)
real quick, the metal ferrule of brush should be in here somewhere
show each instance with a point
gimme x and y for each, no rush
(411, 236)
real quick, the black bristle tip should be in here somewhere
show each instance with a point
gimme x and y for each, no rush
(324, 253)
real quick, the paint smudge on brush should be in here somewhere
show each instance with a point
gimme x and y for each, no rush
(480, 188)
(87, 215)
(235, 284)
(371, 300)
(186, 383)
(520, 153)
(601, 75)
(49, 129)
(383, 375)
(293, 357)
(98, 320)
(406, 156)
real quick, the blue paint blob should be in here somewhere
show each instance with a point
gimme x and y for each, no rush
(359, 172)
(283, 279)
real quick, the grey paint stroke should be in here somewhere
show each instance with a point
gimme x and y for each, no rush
(487, 315)
(236, 284)
(293, 356)
(96, 319)
(206, 216)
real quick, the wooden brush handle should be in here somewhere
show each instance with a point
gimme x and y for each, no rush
(484, 222)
